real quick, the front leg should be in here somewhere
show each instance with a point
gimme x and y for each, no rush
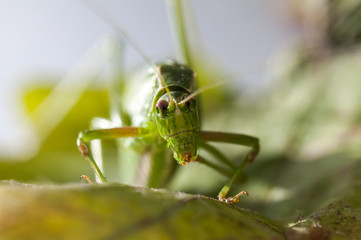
(239, 139)
(111, 133)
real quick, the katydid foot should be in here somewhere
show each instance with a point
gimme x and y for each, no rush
(86, 178)
(231, 200)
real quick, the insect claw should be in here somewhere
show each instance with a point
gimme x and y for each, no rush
(232, 200)
(86, 178)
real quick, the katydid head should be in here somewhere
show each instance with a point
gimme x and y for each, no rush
(178, 124)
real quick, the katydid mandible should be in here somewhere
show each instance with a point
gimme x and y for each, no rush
(167, 116)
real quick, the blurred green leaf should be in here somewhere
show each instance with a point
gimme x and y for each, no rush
(58, 158)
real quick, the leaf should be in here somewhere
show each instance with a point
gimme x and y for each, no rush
(115, 211)
(338, 220)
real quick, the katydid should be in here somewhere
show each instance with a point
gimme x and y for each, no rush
(165, 115)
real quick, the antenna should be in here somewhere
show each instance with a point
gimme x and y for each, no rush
(202, 89)
(102, 13)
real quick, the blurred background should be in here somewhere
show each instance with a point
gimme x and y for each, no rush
(295, 65)
(49, 38)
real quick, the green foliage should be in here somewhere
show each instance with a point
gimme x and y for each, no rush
(337, 220)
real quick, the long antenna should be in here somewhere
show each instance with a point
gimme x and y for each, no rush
(98, 10)
(202, 89)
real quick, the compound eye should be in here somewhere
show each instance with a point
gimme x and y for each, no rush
(161, 108)
(190, 103)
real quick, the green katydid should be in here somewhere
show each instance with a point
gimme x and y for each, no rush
(165, 116)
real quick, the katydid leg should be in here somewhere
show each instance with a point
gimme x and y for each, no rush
(216, 153)
(96, 144)
(239, 139)
(87, 136)
(215, 167)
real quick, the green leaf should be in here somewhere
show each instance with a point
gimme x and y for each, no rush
(338, 220)
(115, 211)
